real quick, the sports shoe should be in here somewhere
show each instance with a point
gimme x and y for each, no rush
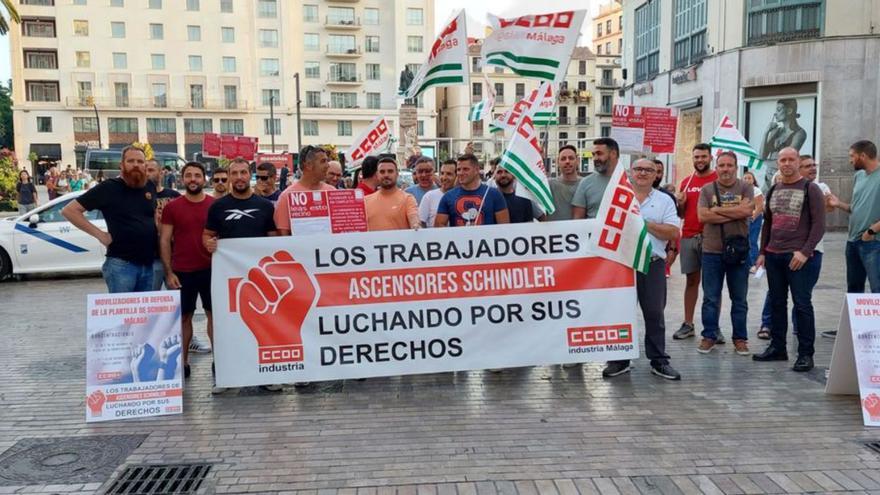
(616, 368)
(741, 347)
(199, 347)
(706, 346)
(665, 371)
(719, 338)
(830, 334)
(272, 388)
(686, 331)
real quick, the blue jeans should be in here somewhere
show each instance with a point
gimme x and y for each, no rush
(714, 274)
(754, 235)
(125, 276)
(813, 269)
(158, 275)
(800, 283)
(862, 262)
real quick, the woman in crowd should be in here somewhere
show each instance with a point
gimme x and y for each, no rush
(27, 192)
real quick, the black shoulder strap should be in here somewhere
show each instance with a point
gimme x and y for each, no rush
(718, 199)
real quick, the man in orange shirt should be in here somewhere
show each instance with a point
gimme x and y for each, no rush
(313, 162)
(389, 208)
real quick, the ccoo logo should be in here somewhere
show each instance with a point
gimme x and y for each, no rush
(602, 335)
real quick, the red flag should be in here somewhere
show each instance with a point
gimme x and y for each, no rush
(211, 144)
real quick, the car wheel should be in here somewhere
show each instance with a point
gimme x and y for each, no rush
(5, 265)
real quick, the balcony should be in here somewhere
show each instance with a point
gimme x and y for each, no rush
(343, 52)
(342, 23)
(604, 111)
(171, 104)
(344, 79)
(608, 83)
(783, 23)
(582, 96)
(563, 120)
(582, 121)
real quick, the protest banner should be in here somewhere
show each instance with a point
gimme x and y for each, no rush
(484, 108)
(369, 142)
(544, 115)
(536, 46)
(402, 302)
(326, 212)
(644, 129)
(728, 138)
(133, 355)
(229, 146)
(622, 235)
(277, 159)
(447, 63)
(855, 359)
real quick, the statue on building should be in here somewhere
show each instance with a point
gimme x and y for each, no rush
(406, 79)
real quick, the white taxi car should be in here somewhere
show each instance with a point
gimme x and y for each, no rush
(43, 241)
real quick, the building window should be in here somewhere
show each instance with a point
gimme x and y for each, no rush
(313, 99)
(374, 101)
(415, 17)
(167, 126)
(476, 64)
(195, 63)
(160, 95)
(157, 31)
(772, 21)
(420, 128)
(44, 124)
(343, 100)
(80, 2)
(269, 67)
(226, 6)
(343, 128)
(158, 61)
(599, 30)
(606, 103)
(268, 38)
(313, 70)
(310, 127)
(84, 90)
(476, 92)
(608, 26)
(192, 5)
(38, 28)
(311, 42)
(117, 3)
(689, 32)
(342, 44)
(45, 3)
(122, 125)
(563, 137)
(81, 28)
(197, 126)
(414, 44)
(271, 97)
(647, 40)
(499, 93)
(341, 16)
(194, 33)
(85, 124)
(620, 45)
(620, 23)
(228, 64)
(272, 127)
(267, 9)
(117, 29)
(372, 44)
(83, 59)
(310, 13)
(598, 49)
(232, 126)
(371, 17)
(40, 59)
(120, 60)
(343, 72)
(230, 97)
(155, 4)
(227, 34)
(374, 72)
(608, 48)
(520, 91)
(120, 92)
(196, 96)
(582, 67)
(606, 131)
(477, 128)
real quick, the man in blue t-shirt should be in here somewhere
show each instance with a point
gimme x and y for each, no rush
(472, 202)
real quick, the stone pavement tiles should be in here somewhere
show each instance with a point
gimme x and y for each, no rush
(731, 426)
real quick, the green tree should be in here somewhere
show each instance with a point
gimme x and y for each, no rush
(8, 178)
(9, 6)
(6, 130)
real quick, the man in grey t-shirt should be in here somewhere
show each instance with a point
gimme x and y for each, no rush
(564, 185)
(589, 193)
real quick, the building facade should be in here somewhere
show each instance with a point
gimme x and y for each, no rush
(167, 71)
(799, 73)
(575, 112)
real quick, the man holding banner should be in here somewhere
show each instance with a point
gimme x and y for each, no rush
(390, 208)
(472, 202)
(588, 196)
(314, 173)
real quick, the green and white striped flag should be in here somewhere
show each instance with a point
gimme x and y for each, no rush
(545, 114)
(728, 138)
(523, 158)
(447, 63)
(621, 233)
(484, 108)
(537, 46)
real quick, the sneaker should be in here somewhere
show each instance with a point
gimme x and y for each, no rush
(741, 347)
(706, 346)
(830, 334)
(719, 338)
(665, 371)
(616, 368)
(199, 347)
(686, 331)
(803, 363)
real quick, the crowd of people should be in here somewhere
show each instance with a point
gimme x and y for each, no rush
(718, 225)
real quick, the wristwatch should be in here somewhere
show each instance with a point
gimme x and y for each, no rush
(871, 232)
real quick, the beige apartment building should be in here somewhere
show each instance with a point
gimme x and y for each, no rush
(167, 71)
(574, 108)
(608, 46)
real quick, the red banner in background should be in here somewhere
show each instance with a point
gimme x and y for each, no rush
(211, 144)
(229, 146)
(246, 147)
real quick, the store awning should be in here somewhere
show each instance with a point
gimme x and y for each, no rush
(47, 151)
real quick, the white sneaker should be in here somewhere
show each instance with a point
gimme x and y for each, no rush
(199, 347)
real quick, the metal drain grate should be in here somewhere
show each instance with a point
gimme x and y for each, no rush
(875, 446)
(147, 479)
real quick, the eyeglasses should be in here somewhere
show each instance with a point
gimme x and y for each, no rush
(218, 179)
(640, 170)
(263, 177)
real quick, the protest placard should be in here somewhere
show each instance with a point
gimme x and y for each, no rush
(644, 129)
(326, 212)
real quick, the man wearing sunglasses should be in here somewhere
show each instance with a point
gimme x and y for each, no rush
(266, 182)
(220, 182)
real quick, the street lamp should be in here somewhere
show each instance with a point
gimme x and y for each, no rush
(272, 119)
(91, 102)
(298, 122)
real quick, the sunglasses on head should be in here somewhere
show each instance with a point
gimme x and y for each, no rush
(218, 179)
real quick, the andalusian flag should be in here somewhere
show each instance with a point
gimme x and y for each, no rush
(484, 108)
(447, 63)
(728, 138)
(523, 158)
(621, 234)
(545, 95)
(537, 46)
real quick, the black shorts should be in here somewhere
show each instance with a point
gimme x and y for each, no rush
(192, 286)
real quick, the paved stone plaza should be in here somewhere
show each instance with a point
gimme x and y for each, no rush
(731, 426)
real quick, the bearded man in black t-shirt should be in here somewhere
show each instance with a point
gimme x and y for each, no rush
(241, 213)
(128, 204)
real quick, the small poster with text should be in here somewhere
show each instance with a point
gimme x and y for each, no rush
(326, 212)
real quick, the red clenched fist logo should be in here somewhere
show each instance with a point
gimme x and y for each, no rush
(273, 302)
(872, 405)
(96, 401)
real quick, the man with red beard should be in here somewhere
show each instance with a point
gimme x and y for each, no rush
(128, 204)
